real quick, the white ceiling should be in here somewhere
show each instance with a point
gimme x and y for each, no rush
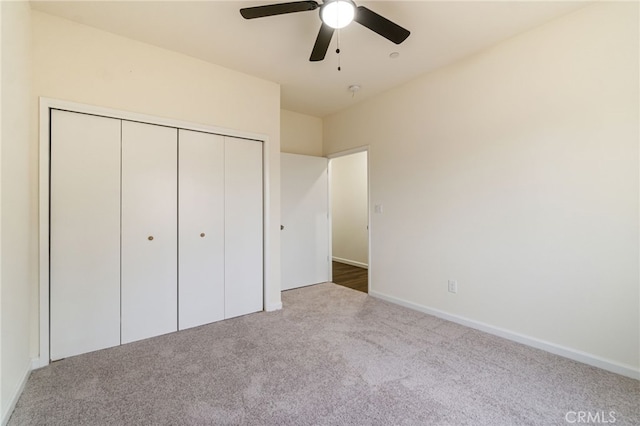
(277, 48)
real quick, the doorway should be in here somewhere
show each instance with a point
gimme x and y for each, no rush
(349, 201)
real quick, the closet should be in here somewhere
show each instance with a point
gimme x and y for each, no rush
(153, 229)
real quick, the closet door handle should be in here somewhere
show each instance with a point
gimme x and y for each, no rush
(150, 238)
(202, 234)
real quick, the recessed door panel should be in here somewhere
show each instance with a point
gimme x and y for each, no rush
(85, 233)
(149, 230)
(201, 228)
(243, 227)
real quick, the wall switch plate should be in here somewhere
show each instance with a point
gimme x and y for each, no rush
(453, 286)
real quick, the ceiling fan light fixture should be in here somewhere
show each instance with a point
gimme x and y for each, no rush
(338, 13)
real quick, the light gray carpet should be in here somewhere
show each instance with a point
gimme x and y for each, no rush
(332, 356)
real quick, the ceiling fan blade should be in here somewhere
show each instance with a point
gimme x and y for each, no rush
(278, 9)
(322, 43)
(381, 25)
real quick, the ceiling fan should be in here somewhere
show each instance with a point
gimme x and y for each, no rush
(334, 14)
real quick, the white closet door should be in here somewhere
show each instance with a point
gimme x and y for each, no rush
(200, 228)
(85, 233)
(243, 227)
(149, 230)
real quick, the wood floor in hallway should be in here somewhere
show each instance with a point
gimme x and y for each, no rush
(351, 276)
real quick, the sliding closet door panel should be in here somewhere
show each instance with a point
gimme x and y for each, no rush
(243, 227)
(200, 228)
(85, 233)
(149, 230)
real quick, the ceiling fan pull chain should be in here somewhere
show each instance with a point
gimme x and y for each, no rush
(338, 50)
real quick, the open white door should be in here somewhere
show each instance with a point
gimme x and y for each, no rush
(305, 220)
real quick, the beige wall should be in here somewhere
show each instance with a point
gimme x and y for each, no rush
(349, 209)
(515, 172)
(301, 133)
(77, 63)
(16, 278)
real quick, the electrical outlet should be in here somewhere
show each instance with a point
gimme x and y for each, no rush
(453, 286)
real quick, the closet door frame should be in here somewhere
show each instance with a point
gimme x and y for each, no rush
(45, 107)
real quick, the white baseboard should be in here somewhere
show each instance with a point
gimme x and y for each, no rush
(38, 363)
(350, 262)
(576, 355)
(15, 395)
(273, 307)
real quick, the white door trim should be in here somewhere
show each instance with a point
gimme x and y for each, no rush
(364, 148)
(46, 104)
